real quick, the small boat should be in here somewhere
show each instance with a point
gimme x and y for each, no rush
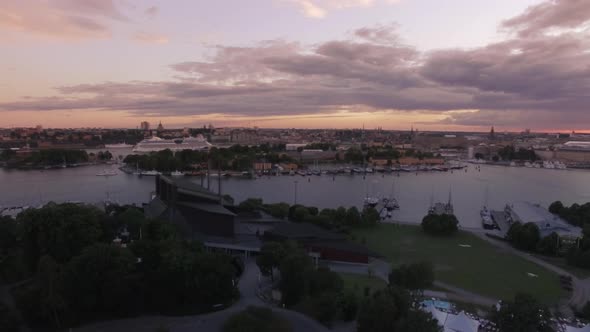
(118, 146)
(177, 173)
(107, 173)
(371, 202)
(150, 173)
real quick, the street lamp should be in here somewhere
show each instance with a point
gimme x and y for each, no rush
(295, 192)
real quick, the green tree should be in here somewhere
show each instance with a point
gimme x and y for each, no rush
(524, 313)
(417, 276)
(353, 217)
(524, 237)
(556, 207)
(278, 210)
(444, 224)
(295, 269)
(348, 304)
(101, 281)
(8, 319)
(251, 204)
(370, 217)
(271, 254)
(49, 279)
(382, 311)
(549, 245)
(59, 230)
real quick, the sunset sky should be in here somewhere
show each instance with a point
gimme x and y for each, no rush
(433, 64)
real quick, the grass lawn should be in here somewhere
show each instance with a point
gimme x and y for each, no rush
(560, 262)
(481, 268)
(357, 283)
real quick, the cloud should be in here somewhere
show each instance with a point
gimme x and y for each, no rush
(65, 19)
(321, 8)
(152, 12)
(150, 38)
(381, 34)
(542, 80)
(553, 14)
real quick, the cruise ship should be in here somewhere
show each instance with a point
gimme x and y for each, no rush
(155, 144)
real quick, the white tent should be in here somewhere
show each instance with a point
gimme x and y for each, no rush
(461, 323)
(577, 329)
(440, 316)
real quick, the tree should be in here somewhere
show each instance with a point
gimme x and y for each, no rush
(556, 207)
(524, 313)
(59, 230)
(49, 279)
(444, 224)
(101, 281)
(418, 276)
(323, 280)
(382, 311)
(8, 319)
(271, 254)
(549, 245)
(418, 321)
(353, 217)
(256, 319)
(370, 217)
(251, 204)
(278, 210)
(348, 304)
(524, 237)
(295, 269)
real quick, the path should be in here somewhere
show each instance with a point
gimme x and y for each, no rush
(248, 285)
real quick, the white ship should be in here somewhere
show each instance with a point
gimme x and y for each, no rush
(155, 144)
(107, 173)
(118, 146)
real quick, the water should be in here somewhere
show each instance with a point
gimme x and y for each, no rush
(505, 184)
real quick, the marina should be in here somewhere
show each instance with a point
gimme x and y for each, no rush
(413, 193)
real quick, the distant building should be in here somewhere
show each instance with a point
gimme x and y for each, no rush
(160, 127)
(145, 126)
(525, 212)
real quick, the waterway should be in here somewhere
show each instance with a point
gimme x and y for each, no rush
(413, 191)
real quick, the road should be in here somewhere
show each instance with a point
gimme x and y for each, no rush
(248, 286)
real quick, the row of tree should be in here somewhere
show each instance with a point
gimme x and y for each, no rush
(338, 219)
(576, 214)
(75, 272)
(236, 157)
(509, 152)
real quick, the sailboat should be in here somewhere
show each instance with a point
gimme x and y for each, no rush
(486, 215)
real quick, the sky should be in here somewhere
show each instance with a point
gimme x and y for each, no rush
(431, 64)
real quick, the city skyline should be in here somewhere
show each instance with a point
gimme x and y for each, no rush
(462, 66)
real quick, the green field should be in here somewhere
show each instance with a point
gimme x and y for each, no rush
(357, 283)
(481, 268)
